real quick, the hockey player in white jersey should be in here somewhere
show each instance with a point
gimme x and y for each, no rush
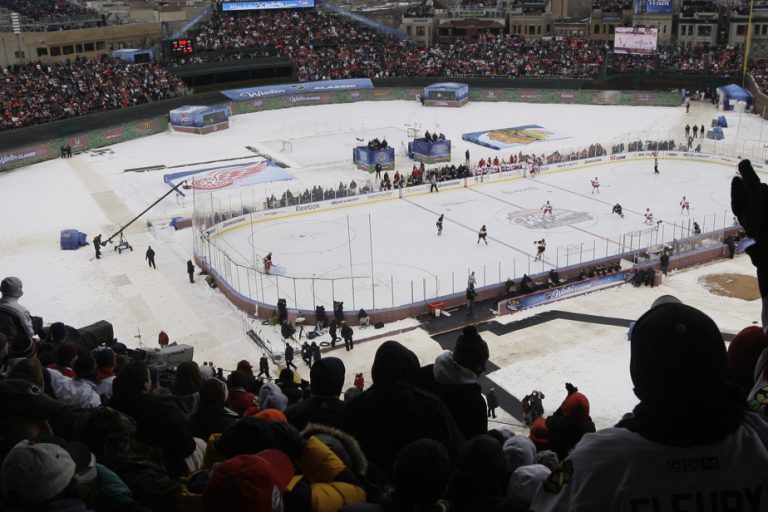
(595, 185)
(648, 216)
(546, 209)
(685, 206)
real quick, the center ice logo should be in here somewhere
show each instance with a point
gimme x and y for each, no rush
(533, 219)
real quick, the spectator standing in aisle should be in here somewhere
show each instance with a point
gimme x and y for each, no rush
(150, 257)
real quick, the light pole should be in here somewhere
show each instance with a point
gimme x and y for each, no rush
(748, 43)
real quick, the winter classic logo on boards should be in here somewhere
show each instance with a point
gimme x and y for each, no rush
(535, 220)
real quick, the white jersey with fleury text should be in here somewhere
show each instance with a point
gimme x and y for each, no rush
(620, 471)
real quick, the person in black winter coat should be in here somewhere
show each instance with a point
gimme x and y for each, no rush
(159, 423)
(316, 355)
(289, 356)
(212, 416)
(346, 334)
(332, 332)
(326, 379)
(749, 203)
(306, 353)
(394, 412)
(454, 378)
(289, 387)
(263, 367)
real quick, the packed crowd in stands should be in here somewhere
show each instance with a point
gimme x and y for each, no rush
(690, 7)
(60, 14)
(681, 59)
(325, 46)
(611, 6)
(420, 10)
(474, 4)
(39, 93)
(759, 71)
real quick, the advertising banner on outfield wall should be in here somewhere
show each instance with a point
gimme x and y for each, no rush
(267, 91)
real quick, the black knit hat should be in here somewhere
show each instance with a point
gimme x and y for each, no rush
(676, 350)
(470, 351)
(421, 472)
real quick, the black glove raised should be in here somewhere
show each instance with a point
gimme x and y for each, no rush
(570, 388)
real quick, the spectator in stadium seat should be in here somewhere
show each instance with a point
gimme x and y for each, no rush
(326, 379)
(40, 476)
(26, 411)
(186, 387)
(15, 319)
(394, 412)
(288, 385)
(568, 424)
(111, 437)
(239, 399)
(454, 378)
(688, 414)
(159, 423)
(480, 476)
(212, 416)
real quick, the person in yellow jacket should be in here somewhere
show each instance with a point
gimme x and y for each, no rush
(321, 482)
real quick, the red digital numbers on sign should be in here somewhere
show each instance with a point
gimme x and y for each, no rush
(182, 46)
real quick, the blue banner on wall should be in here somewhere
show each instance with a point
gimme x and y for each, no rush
(653, 6)
(270, 4)
(564, 292)
(431, 152)
(283, 89)
(367, 158)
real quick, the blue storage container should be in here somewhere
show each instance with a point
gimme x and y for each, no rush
(69, 240)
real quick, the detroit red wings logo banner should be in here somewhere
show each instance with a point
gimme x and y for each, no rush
(228, 176)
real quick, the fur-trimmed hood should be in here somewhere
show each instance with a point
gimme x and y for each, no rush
(342, 444)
